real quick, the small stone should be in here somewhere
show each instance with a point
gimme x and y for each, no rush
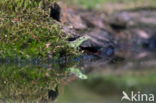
(55, 12)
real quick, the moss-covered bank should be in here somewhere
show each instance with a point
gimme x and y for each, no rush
(27, 31)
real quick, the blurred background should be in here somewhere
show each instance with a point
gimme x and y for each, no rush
(106, 82)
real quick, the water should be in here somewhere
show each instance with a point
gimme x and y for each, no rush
(79, 80)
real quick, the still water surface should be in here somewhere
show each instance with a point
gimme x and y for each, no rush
(78, 81)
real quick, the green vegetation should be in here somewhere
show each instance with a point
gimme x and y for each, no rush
(92, 4)
(23, 5)
(27, 31)
(27, 84)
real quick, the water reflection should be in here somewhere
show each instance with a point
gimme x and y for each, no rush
(34, 80)
(107, 79)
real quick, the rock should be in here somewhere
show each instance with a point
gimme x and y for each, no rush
(119, 20)
(100, 43)
(53, 94)
(55, 12)
(130, 18)
(93, 19)
(71, 18)
(150, 43)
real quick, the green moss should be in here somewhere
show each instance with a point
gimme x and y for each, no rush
(23, 5)
(29, 83)
(31, 33)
